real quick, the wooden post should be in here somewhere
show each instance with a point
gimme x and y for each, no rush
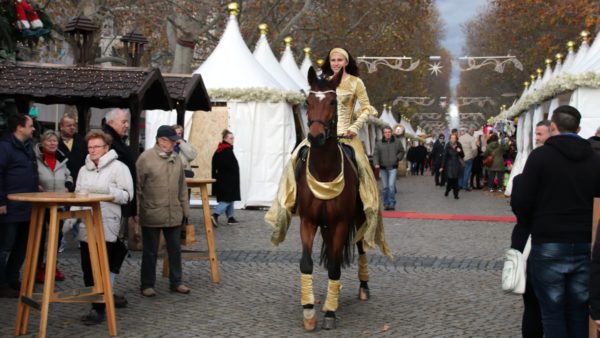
(82, 119)
(180, 113)
(134, 128)
(593, 333)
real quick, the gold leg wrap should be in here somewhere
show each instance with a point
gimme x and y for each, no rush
(333, 295)
(306, 288)
(363, 268)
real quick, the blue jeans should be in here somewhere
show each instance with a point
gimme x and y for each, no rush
(224, 207)
(13, 244)
(560, 273)
(464, 180)
(388, 179)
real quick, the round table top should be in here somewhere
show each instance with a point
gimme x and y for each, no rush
(59, 197)
(192, 181)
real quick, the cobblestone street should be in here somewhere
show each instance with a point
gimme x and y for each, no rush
(443, 282)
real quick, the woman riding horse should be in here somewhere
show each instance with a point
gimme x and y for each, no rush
(350, 90)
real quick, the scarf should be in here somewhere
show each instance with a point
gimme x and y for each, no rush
(50, 159)
(222, 146)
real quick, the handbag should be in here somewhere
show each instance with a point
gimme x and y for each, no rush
(489, 160)
(514, 272)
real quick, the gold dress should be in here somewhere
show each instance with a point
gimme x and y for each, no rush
(371, 232)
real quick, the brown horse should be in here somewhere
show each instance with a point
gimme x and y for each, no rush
(338, 213)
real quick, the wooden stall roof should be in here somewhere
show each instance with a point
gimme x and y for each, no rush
(101, 87)
(188, 90)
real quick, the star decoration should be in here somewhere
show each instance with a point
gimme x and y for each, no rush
(435, 68)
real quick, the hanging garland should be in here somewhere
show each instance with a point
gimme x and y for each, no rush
(256, 95)
(562, 83)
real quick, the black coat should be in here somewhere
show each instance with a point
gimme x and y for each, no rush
(420, 153)
(125, 156)
(226, 171)
(451, 163)
(76, 156)
(18, 173)
(557, 189)
(437, 153)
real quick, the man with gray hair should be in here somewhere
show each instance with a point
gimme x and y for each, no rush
(117, 126)
(542, 132)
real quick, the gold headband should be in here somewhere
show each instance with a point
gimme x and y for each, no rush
(341, 52)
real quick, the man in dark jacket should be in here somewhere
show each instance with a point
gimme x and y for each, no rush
(18, 174)
(556, 193)
(117, 125)
(437, 155)
(386, 156)
(420, 156)
(72, 145)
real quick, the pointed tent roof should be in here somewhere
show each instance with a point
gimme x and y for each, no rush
(306, 63)
(570, 57)
(232, 65)
(592, 60)
(288, 63)
(548, 72)
(578, 62)
(264, 55)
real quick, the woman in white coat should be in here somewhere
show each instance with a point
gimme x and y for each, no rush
(103, 174)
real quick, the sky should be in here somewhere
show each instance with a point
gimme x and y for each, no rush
(454, 13)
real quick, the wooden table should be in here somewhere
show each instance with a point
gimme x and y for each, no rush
(101, 292)
(202, 183)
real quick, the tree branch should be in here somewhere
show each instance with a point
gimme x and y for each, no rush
(292, 22)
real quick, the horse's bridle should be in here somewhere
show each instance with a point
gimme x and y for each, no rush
(332, 124)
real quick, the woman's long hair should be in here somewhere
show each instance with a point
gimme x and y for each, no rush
(351, 67)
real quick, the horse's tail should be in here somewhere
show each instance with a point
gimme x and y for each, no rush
(347, 251)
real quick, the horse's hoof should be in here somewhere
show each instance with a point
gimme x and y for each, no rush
(329, 323)
(310, 320)
(363, 294)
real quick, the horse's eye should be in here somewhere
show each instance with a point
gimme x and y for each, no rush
(334, 103)
(306, 102)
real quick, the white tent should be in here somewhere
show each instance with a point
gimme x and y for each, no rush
(264, 55)
(519, 163)
(306, 63)
(576, 82)
(288, 63)
(586, 99)
(258, 114)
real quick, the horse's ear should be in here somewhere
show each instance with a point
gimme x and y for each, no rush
(336, 79)
(312, 77)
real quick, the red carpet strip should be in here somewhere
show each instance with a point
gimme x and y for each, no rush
(448, 217)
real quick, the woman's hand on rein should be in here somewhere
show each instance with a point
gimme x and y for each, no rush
(349, 134)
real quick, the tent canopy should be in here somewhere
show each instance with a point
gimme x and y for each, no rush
(232, 65)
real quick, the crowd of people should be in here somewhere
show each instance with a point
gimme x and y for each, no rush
(150, 191)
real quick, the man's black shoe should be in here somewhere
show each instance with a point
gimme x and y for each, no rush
(232, 220)
(93, 318)
(215, 220)
(120, 301)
